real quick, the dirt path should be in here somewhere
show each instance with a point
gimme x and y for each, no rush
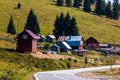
(49, 56)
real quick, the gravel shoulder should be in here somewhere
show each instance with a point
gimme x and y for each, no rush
(93, 75)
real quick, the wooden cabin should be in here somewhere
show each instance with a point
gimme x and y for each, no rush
(92, 43)
(27, 41)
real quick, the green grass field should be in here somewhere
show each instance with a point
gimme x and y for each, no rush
(103, 29)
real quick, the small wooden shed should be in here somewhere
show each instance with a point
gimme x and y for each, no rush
(27, 41)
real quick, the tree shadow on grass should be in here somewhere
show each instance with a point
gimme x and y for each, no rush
(116, 26)
(10, 50)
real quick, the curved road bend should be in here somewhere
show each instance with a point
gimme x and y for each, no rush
(68, 74)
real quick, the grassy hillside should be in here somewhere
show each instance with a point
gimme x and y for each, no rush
(101, 28)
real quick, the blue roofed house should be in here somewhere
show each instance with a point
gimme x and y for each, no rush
(75, 42)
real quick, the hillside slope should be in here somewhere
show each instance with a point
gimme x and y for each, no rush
(103, 29)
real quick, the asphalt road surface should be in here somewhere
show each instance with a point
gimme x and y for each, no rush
(68, 74)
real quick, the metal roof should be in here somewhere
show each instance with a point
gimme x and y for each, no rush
(52, 36)
(73, 38)
(67, 46)
(32, 34)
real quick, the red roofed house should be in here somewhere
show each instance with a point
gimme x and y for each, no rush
(27, 41)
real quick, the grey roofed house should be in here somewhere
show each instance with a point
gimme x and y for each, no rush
(64, 46)
(42, 38)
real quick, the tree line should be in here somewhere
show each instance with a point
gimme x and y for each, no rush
(63, 25)
(101, 7)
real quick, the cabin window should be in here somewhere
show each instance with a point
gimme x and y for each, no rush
(24, 36)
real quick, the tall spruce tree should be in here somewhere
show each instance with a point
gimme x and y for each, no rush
(60, 2)
(74, 27)
(87, 6)
(108, 10)
(116, 9)
(67, 24)
(11, 29)
(100, 7)
(93, 1)
(59, 25)
(32, 23)
(56, 24)
(68, 3)
(77, 3)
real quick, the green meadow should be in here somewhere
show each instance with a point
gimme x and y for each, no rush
(103, 29)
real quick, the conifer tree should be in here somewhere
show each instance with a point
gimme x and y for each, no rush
(68, 3)
(11, 29)
(32, 23)
(74, 27)
(108, 11)
(67, 24)
(93, 1)
(100, 7)
(87, 6)
(59, 25)
(56, 24)
(116, 9)
(60, 2)
(77, 3)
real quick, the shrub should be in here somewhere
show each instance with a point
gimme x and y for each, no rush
(19, 5)
(75, 60)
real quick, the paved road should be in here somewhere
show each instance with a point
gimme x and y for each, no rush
(68, 74)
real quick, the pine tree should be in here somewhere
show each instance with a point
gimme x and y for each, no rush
(77, 3)
(74, 27)
(11, 29)
(87, 6)
(108, 11)
(116, 9)
(100, 7)
(32, 23)
(59, 25)
(60, 2)
(56, 24)
(68, 3)
(67, 24)
(93, 1)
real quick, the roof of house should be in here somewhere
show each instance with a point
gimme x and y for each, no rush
(51, 36)
(91, 40)
(61, 38)
(74, 40)
(71, 40)
(32, 34)
(66, 45)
